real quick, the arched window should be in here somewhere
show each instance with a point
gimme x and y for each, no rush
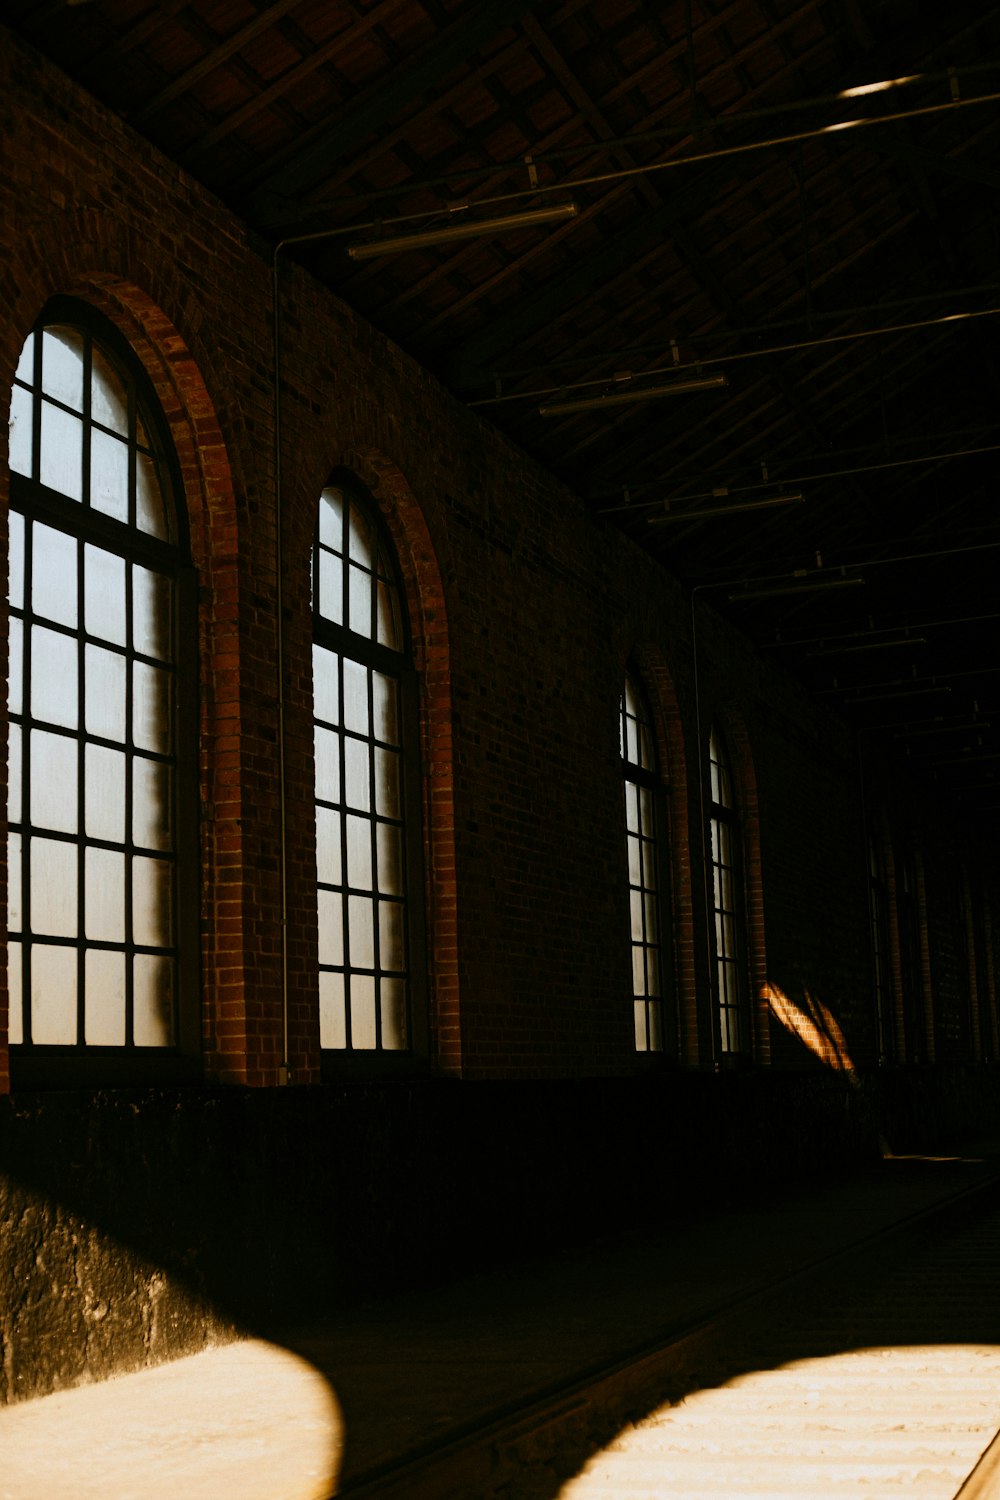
(642, 816)
(366, 822)
(102, 906)
(728, 904)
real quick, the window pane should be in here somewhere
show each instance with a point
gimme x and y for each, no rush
(152, 820)
(638, 970)
(387, 784)
(104, 594)
(331, 927)
(639, 1014)
(26, 363)
(53, 575)
(104, 694)
(109, 475)
(393, 1005)
(15, 988)
(53, 782)
(331, 519)
(635, 914)
(327, 765)
(152, 902)
(19, 443)
(104, 896)
(108, 396)
(631, 807)
(15, 559)
(359, 853)
(331, 588)
(104, 988)
(153, 1000)
(655, 1026)
(53, 888)
(390, 935)
(53, 994)
(15, 677)
(355, 696)
(361, 931)
(104, 794)
(359, 617)
(14, 882)
(634, 866)
(326, 687)
(361, 546)
(363, 1033)
(328, 859)
(150, 511)
(150, 708)
(389, 632)
(62, 452)
(54, 687)
(390, 860)
(357, 775)
(384, 704)
(62, 365)
(14, 773)
(332, 1015)
(151, 624)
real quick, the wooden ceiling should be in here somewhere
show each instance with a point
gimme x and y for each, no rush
(745, 207)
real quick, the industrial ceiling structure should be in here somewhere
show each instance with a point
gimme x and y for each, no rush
(760, 332)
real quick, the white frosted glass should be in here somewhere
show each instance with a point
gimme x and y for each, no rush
(54, 683)
(152, 1001)
(22, 404)
(104, 999)
(104, 595)
(355, 696)
(26, 361)
(15, 988)
(634, 875)
(652, 971)
(326, 689)
(62, 452)
(635, 915)
(384, 705)
(328, 858)
(14, 772)
(359, 605)
(646, 759)
(331, 588)
(327, 765)
(631, 807)
(363, 1034)
(387, 616)
(638, 970)
(389, 855)
(15, 559)
(331, 927)
(152, 902)
(655, 1027)
(15, 674)
(150, 507)
(151, 623)
(631, 741)
(104, 895)
(652, 923)
(53, 781)
(62, 365)
(332, 1014)
(359, 853)
(104, 793)
(361, 931)
(108, 396)
(14, 914)
(390, 936)
(53, 575)
(331, 520)
(357, 775)
(361, 542)
(393, 1002)
(109, 475)
(152, 814)
(150, 708)
(646, 811)
(640, 1026)
(53, 994)
(104, 675)
(53, 888)
(387, 783)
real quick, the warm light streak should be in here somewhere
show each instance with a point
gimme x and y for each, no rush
(814, 1024)
(877, 88)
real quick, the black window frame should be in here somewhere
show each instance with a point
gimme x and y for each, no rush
(649, 900)
(731, 1000)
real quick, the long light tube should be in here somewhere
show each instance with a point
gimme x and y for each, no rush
(467, 230)
(639, 393)
(705, 513)
(795, 588)
(899, 640)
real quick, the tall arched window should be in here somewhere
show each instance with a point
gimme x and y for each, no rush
(365, 794)
(101, 925)
(728, 904)
(642, 816)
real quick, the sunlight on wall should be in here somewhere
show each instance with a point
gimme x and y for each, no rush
(814, 1024)
(890, 1421)
(247, 1421)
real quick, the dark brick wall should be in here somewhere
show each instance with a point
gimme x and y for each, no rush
(120, 1212)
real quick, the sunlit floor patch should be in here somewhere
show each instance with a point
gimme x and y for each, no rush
(248, 1421)
(872, 1423)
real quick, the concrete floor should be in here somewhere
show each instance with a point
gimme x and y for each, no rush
(328, 1407)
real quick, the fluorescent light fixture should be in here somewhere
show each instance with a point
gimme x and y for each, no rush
(795, 588)
(466, 230)
(705, 513)
(639, 393)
